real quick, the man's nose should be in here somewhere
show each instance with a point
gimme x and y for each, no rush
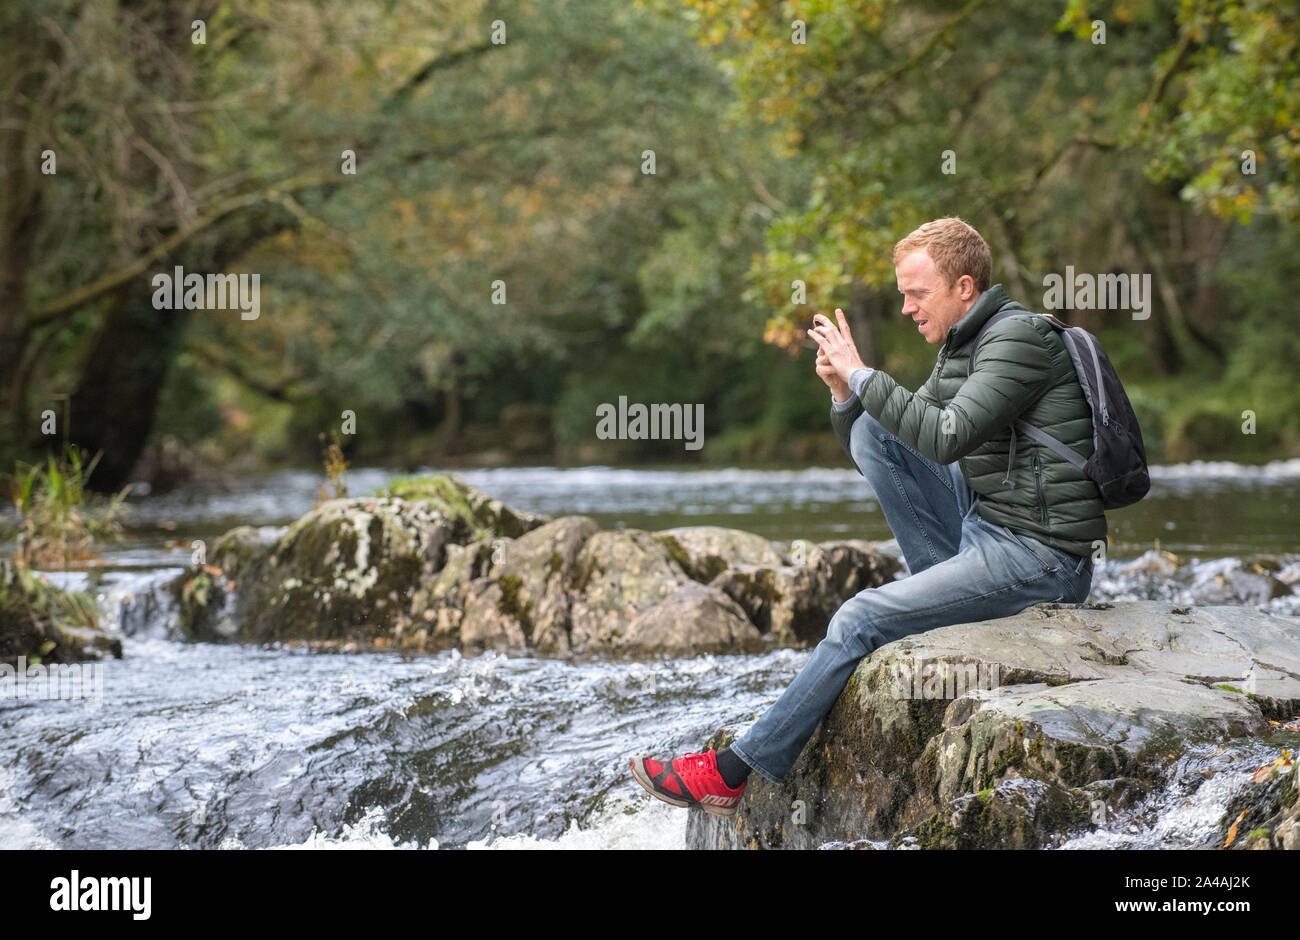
(909, 308)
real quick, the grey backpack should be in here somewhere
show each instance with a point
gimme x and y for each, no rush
(1118, 464)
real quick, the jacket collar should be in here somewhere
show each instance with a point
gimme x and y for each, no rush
(989, 303)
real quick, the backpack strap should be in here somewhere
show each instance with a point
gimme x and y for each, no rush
(1025, 428)
(1052, 444)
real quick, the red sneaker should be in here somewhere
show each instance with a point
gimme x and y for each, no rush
(692, 780)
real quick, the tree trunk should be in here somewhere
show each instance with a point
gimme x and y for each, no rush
(126, 366)
(865, 306)
(21, 187)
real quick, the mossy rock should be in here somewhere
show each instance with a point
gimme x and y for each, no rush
(1089, 703)
(704, 552)
(615, 577)
(237, 550)
(203, 597)
(1019, 813)
(46, 624)
(351, 569)
(1265, 813)
(475, 514)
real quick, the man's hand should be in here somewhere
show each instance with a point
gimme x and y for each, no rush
(838, 349)
(839, 388)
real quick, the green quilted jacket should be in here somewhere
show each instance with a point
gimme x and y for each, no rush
(1022, 370)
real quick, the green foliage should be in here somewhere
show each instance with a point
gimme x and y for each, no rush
(59, 520)
(484, 167)
(28, 598)
(1227, 95)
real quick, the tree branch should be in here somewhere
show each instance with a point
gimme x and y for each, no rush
(107, 282)
(940, 35)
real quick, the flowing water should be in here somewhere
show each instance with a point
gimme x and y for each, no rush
(208, 746)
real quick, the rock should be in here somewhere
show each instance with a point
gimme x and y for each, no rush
(542, 564)
(617, 576)
(346, 570)
(792, 604)
(1018, 813)
(473, 514)
(1092, 703)
(391, 570)
(527, 603)
(438, 606)
(704, 552)
(1266, 813)
(204, 600)
(694, 619)
(234, 552)
(492, 618)
(852, 565)
(1152, 563)
(427, 571)
(43, 624)
(1237, 581)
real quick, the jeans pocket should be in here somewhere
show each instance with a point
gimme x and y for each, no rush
(1047, 556)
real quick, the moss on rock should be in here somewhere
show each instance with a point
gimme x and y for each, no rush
(46, 624)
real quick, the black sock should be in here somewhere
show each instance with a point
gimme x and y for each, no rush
(734, 771)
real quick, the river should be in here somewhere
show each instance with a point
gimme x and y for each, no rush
(207, 746)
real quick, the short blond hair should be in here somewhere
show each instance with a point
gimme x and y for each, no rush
(955, 248)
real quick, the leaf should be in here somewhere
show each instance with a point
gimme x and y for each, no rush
(1232, 830)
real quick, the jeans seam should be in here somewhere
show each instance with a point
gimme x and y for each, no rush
(898, 485)
(798, 706)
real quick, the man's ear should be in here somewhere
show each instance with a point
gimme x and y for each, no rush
(966, 286)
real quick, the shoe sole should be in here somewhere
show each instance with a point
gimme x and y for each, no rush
(641, 777)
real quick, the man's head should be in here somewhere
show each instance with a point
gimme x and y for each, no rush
(942, 269)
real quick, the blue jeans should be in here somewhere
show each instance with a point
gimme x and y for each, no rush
(963, 569)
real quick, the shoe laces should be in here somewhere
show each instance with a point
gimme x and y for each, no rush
(695, 764)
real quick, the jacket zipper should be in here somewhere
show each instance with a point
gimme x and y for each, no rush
(1038, 487)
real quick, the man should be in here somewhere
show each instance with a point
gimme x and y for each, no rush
(988, 525)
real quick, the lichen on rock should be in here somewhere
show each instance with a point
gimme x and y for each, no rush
(433, 563)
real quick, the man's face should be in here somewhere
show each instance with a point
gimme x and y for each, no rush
(932, 304)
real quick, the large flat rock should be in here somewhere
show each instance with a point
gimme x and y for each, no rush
(1086, 706)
